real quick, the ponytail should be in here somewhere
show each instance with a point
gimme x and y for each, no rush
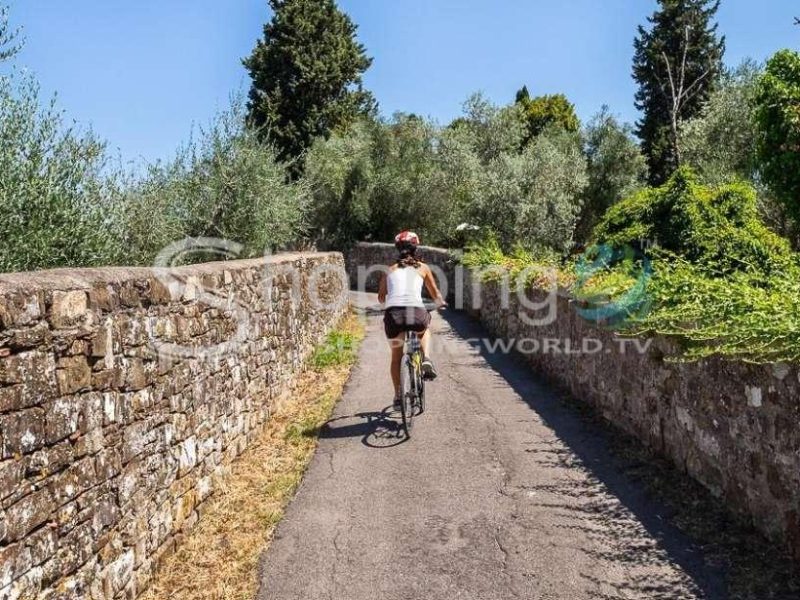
(408, 259)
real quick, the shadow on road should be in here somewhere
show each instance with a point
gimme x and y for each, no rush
(646, 511)
(376, 429)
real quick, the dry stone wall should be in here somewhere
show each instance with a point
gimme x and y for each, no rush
(734, 427)
(124, 396)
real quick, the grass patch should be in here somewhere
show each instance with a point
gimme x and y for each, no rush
(218, 559)
(339, 349)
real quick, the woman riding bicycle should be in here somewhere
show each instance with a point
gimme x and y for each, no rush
(401, 291)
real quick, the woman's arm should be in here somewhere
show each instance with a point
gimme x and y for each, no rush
(382, 290)
(430, 285)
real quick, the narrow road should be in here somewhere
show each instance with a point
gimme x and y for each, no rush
(502, 493)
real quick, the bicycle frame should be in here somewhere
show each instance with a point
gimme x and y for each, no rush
(413, 398)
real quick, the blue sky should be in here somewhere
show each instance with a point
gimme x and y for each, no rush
(141, 73)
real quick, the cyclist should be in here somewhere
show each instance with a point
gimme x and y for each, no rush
(400, 290)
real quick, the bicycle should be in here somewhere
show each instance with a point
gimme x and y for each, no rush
(412, 384)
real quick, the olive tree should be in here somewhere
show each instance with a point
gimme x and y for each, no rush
(53, 211)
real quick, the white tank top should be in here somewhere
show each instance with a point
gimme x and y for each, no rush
(404, 288)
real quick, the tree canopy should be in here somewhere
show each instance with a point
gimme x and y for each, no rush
(778, 118)
(543, 111)
(676, 64)
(306, 75)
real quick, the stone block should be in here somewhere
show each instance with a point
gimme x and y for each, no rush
(118, 574)
(29, 513)
(22, 432)
(73, 374)
(103, 298)
(62, 418)
(68, 309)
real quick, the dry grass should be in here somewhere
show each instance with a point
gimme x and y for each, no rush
(218, 560)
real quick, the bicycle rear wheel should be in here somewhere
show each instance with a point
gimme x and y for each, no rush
(409, 394)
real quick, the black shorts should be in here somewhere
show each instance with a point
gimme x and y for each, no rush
(399, 319)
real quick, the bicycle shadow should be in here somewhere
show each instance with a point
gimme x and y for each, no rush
(376, 429)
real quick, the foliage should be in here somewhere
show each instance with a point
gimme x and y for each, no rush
(666, 44)
(721, 281)
(10, 43)
(493, 131)
(616, 168)
(340, 173)
(778, 118)
(744, 315)
(538, 267)
(380, 177)
(225, 185)
(551, 178)
(306, 75)
(719, 142)
(717, 227)
(544, 111)
(370, 182)
(53, 211)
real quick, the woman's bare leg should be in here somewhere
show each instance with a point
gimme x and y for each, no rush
(424, 342)
(397, 344)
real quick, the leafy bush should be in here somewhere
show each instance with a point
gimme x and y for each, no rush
(716, 227)
(552, 180)
(372, 180)
(226, 185)
(745, 316)
(546, 111)
(53, 202)
(340, 174)
(721, 281)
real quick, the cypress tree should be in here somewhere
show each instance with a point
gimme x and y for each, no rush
(306, 75)
(676, 64)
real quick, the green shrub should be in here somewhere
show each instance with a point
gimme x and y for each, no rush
(715, 227)
(54, 208)
(546, 111)
(225, 185)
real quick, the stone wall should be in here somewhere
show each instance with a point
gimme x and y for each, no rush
(124, 395)
(732, 426)
(365, 259)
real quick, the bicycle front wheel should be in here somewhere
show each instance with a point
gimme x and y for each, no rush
(409, 395)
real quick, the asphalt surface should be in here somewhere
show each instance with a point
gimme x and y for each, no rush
(503, 492)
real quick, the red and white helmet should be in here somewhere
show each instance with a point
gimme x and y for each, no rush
(406, 238)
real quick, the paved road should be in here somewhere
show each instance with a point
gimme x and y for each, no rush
(502, 493)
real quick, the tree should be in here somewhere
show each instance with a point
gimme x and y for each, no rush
(306, 75)
(719, 142)
(778, 118)
(676, 64)
(52, 189)
(523, 95)
(9, 38)
(543, 111)
(616, 168)
(225, 183)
